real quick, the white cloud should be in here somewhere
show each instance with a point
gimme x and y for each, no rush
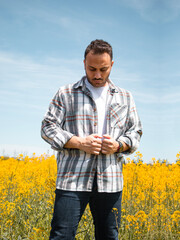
(31, 83)
(171, 98)
(155, 10)
(23, 72)
(65, 23)
(146, 97)
(121, 74)
(160, 98)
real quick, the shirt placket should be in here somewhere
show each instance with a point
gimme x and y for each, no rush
(95, 113)
(94, 110)
(109, 100)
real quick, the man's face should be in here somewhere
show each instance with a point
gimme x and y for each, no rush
(98, 68)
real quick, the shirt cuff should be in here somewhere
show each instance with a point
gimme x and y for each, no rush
(60, 139)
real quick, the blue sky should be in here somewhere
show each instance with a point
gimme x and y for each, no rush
(42, 45)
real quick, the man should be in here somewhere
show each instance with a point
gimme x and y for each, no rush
(91, 124)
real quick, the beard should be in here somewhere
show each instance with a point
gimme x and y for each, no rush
(98, 82)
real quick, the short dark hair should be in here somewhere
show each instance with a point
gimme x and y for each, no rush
(99, 46)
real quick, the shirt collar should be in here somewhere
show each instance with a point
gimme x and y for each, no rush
(81, 84)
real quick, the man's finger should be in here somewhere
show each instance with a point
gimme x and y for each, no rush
(106, 136)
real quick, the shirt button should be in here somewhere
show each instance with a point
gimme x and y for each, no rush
(95, 124)
(94, 169)
(94, 109)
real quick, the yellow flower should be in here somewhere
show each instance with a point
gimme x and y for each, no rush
(150, 192)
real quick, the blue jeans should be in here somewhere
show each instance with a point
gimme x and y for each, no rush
(70, 205)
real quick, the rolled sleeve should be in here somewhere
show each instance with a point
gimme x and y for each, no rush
(60, 139)
(51, 130)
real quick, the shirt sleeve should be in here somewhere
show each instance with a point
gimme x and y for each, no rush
(133, 131)
(52, 124)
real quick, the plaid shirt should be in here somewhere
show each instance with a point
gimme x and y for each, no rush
(73, 112)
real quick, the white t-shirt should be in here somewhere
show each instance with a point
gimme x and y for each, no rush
(100, 97)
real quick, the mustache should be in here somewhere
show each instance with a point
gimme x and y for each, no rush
(97, 79)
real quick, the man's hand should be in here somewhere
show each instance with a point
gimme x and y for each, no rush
(91, 144)
(109, 145)
(94, 144)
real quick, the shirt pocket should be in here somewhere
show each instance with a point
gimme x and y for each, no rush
(118, 117)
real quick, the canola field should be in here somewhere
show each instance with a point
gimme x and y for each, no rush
(150, 204)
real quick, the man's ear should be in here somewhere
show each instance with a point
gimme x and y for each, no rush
(112, 63)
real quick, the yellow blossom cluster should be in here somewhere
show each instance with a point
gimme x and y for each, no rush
(151, 199)
(150, 203)
(27, 194)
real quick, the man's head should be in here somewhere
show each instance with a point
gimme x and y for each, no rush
(98, 62)
(98, 47)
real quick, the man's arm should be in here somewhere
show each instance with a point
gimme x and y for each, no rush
(110, 146)
(51, 130)
(91, 144)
